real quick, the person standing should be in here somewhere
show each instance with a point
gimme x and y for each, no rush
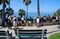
(57, 18)
(14, 21)
(23, 20)
(38, 21)
(9, 24)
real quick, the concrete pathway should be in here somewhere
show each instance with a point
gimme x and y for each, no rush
(51, 29)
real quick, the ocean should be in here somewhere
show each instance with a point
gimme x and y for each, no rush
(34, 14)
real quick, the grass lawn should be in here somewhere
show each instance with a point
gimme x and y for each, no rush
(54, 36)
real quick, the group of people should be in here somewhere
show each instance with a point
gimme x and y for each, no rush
(45, 19)
(14, 21)
(9, 21)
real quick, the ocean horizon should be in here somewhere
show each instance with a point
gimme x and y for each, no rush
(34, 14)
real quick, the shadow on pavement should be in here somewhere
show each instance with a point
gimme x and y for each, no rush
(59, 27)
(26, 38)
(53, 31)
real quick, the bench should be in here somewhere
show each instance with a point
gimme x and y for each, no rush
(20, 33)
(4, 34)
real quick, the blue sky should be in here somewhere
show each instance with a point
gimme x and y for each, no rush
(18, 4)
(49, 5)
(45, 5)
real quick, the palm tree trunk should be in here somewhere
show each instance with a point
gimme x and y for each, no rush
(27, 11)
(38, 8)
(9, 6)
(3, 13)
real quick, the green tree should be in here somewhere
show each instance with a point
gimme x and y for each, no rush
(4, 3)
(9, 11)
(38, 7)
(27, 2)
(54, 14)
(57, 13)
(21, 12)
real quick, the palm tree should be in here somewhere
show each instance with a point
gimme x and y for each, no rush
(38, 8)
(27, 2)
(4, 2)
(9, 11)
(21, 12)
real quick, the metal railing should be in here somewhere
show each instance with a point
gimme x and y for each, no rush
(4, 34)
(31, 33)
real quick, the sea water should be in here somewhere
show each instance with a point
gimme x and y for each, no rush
(34, 14)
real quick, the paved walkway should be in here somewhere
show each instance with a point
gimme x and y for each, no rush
(50, 29)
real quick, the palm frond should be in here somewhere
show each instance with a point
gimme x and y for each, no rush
(0, 2)
(6, 1)
(23, 1)
(27, 2)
